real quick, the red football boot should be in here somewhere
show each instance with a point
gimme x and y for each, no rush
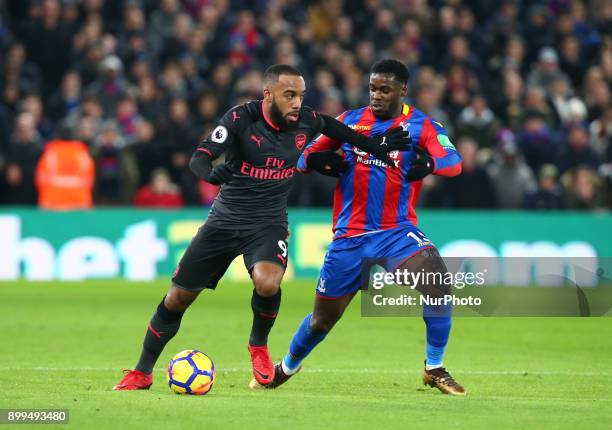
(263, 368)
(135, 380)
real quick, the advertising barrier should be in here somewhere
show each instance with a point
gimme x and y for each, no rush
(146, 244)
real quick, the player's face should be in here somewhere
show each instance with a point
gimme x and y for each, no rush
(386, 95)
(285, 98)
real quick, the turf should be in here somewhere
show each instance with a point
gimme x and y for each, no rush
(63, 345)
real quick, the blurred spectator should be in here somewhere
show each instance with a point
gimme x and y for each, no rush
(478, 122)
(508, 103)
(189, 69)
(504, 23)
(572, 61)
(538, 31)
(110, 85)
(116, 171)
(147, 151)
(600, 132)
(22, 156)
(160, 192)
(584, 189)
(150, 99)
(47, 40)
(536, 141)
(86, 119)
(535, 101)
(67, 99)
(162, 18)
(459, 85)
(207, 111)
(16, 71)
(549, 195)
(511, 177)
(578, 151)
(126, 118)
(32, 103)
(567, 108)
(244, 41)
(514, 55)
(427, 98)
(249, 85)
(546, 69)
(89, 62)
(323, 82)
(599, 100)
(472, 189)
(322, 18)
(178, 135)
(177, 41)
(222, 80)
(65, 176)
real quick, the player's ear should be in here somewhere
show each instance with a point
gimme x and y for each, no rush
(404, 90)
(267, 94)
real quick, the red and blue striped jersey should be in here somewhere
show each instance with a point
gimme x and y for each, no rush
(370, 196)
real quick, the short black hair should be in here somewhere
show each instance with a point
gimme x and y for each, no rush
(273, 72)
(392, 67)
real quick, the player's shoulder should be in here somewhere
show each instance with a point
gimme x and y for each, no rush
(416, 115)
(309, 117)
(353, 116)
(308, 112)
(251, 110)
(239, 116)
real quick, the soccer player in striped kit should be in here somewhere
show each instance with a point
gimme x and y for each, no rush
(374, 217)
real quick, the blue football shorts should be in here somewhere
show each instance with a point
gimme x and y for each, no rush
(341, 271)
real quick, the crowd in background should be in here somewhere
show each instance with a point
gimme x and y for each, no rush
(523, 88)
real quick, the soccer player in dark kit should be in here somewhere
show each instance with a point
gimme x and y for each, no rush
(262, 142)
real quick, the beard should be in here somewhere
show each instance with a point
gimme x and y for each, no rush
(277, 118)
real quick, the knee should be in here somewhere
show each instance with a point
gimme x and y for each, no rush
(178, 300)
(321, 325)
(266, 285)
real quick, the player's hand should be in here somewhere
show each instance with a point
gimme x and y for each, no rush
(422, 165)
(395, 139)
(328, 163)
(221, 174)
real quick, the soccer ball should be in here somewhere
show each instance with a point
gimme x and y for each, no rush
(191, 372)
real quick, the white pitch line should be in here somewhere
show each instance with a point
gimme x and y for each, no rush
(329, 370)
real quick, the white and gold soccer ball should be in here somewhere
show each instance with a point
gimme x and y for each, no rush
(191, 372)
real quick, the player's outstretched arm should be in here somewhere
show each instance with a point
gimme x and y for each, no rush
(395, 139)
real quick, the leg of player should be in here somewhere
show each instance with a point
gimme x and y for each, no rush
(265, 303)
(313, 329)
(163, 326)
(437, 322)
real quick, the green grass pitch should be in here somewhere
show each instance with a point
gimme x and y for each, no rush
(63, 345)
